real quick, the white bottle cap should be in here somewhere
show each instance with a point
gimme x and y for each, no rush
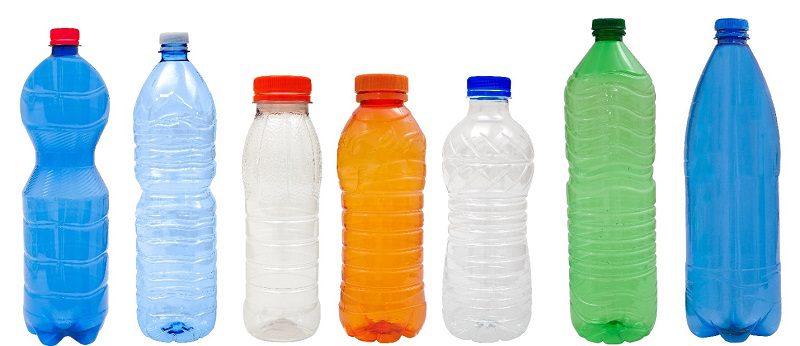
(174, 37)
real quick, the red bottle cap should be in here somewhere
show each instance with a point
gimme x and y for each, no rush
(381, 87)
(282, 88)
(64, 37)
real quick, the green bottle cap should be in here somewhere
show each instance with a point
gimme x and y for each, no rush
(608, 28)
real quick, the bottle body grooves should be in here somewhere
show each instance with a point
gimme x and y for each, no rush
(381, 166)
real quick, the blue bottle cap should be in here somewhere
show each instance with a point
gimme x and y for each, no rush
(488, 86)
(731, 24)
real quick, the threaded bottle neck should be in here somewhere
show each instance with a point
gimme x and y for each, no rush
(174, 52)
(274, 107)
(727, 36)
(64, 50)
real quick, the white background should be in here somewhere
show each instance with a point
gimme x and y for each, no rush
(438, 44)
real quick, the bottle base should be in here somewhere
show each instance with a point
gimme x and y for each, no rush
(486, 331)
(177, 331)
(51, 331)
(613, 332)
(733, 327)
(383, 326)
(381, 331)
(281, 330)
(83, 337)
(733, 335)
(282, 324)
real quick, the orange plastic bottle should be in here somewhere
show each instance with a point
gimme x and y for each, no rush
(381, 165)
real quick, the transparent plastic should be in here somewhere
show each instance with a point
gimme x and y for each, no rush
(174, 126)
(281, 170)
(732, 166)
(381, 166)
(610, 131)
(488, 166)
(64, 107)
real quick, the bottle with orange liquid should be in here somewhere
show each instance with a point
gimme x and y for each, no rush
(381, 166)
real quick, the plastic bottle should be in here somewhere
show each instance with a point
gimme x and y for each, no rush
(610, 130)
(381, 166)
(281, 171)
(64, 107)
(732, 166)
(488, 166)
(174, 126)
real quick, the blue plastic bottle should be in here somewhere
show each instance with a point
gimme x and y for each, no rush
(174, 128)
(732, 165)
(64, 107)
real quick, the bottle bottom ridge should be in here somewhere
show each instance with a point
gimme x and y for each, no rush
(488, 330)
(282, 325)
(733, 304)
(613, 332)
(53, 319)
(371, 327)
(177, 328)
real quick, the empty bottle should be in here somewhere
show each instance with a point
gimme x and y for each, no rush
(281, 171)
(64, 107)
(381, 166)
(488, 166)
(174, 126)
(732, 166)
(610, 130)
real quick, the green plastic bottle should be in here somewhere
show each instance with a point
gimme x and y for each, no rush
(610, 130)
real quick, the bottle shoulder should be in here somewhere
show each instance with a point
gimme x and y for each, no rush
(382, 127)
(732, 83)
(64, 91)
(490, 138)
(609, 68)
(609, 58)
(175, 89)
(732, 66)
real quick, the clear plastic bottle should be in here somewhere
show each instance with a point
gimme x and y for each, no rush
(64, 107)
(174, 127)
(281, 172)
(488, 166)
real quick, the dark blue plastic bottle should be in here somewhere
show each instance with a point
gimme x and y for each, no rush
(64, 107)
(732, 166)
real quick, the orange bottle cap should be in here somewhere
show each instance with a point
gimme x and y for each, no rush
(381, 87)
(282, 88)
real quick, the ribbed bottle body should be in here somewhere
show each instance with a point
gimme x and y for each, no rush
(488, 166)
(174, 131)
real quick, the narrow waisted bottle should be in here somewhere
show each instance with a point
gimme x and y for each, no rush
(174, 127)
(610, 130)
(733, 282)
(64, 107)
(488, 166)
(381, 166)
(281, 171)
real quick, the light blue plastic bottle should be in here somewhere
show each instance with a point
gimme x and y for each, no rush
(174, 127)
(64, 107)
(733, 277)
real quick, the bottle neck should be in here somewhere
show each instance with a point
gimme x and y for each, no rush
(174, 52)
(61, 50)
(739, 37)
(608, 34)
(385, 103)
(495, 107)
(274, 107)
